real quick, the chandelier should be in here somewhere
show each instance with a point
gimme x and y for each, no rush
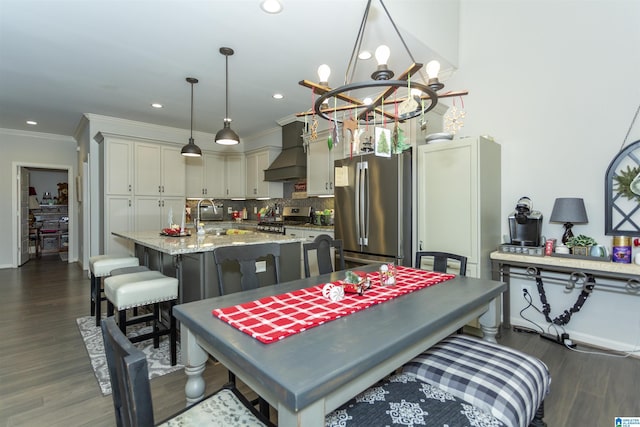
(408, 95)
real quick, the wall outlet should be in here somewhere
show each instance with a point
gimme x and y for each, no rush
(261, 266)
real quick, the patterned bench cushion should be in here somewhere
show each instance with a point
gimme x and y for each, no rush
(402, 400)
(504, 382)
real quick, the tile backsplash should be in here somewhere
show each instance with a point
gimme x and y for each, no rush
(317, 203)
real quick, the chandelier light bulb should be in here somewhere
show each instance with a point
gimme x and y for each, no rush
(433, 68)
(416, 93)
(323, 74)
(367, 101)
(382, 54)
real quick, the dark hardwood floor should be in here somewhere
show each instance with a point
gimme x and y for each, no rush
(46, 378)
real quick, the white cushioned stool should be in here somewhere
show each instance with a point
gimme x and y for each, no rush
(132, 290)
(506, 383)
(101, 266)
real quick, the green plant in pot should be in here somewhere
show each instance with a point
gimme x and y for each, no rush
(581, 244)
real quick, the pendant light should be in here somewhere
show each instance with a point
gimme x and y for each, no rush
(226, 136)
(191, 149)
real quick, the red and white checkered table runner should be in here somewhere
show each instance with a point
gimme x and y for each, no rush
(276, 317)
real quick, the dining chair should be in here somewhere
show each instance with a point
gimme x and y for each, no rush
(245, 257)
(441, 261)
(131, 391)
(322, 244)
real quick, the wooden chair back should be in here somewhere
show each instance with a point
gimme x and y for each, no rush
(322, 244)
(441, 261)
(246, 256)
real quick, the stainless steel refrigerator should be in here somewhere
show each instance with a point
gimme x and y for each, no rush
(373, 208)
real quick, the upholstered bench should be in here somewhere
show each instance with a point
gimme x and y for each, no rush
(461, 381)
(133, 290)
(101, 266)
(506, 383)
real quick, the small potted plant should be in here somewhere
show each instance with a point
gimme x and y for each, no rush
(580, 245)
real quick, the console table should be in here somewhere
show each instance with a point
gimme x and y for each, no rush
(502, 262)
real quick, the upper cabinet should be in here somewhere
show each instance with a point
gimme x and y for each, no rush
(159, 170)
(118, 176)
(320, 166)
(256, 162)
(235, 177)
(206, 176)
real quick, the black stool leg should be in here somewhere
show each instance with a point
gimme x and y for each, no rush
(122, 320)
(173, 335)
(93, 295)
(156, 326)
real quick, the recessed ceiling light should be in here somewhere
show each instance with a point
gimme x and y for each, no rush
(32, 122)
(271, 6)
(278, 96)
(156, 105)
(365, 54)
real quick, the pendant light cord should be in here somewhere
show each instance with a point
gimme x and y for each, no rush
(226, 113)
(191, 138)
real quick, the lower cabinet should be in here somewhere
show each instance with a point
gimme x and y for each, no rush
(152, 213)
(309, 235)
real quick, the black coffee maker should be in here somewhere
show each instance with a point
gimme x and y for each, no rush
(525, 224)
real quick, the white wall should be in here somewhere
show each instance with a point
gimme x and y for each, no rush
(556, 83)
(36, 150)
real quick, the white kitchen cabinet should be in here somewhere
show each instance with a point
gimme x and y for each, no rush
(159, 170)
(118, 217)
(235, 176)
(152, 213)
(320, 167)
(205, 176)
(137, 175)
(256, 162)
(458, 187)
(118, 167)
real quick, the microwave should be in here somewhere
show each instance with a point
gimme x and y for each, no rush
(211, 213)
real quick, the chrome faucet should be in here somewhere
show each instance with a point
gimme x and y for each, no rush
(215, 210)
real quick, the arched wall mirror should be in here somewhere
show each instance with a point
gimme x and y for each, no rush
(622, 193)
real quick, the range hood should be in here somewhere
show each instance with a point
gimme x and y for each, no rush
(291, 163)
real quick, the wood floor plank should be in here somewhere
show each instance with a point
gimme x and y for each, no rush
(46, 378)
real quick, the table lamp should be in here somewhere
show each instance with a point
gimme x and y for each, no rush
(569, 210)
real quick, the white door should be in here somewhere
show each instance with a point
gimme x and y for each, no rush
(23, 206)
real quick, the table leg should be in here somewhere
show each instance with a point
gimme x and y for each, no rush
(312, 415)
(194, 359)
(500, 272)
(490, 321)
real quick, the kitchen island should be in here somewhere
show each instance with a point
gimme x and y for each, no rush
(190, 258)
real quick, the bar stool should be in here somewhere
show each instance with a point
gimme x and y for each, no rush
(133, 290)
(101, 266)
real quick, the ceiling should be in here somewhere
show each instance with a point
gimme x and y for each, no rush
(62, 58)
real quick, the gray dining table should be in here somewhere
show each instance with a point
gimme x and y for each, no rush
(309, 374)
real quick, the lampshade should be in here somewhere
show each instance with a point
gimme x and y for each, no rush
(226, 135)
(33, 202)
(569, 209)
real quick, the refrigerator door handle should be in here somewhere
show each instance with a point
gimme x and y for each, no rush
(357, 204)
(364, 201)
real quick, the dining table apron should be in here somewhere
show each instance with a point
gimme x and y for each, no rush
(309, 374)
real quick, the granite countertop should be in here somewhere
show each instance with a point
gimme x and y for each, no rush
(194, 243)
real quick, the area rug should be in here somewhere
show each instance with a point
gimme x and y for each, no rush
(158, 359)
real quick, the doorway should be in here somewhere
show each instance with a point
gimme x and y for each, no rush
(43, 200)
